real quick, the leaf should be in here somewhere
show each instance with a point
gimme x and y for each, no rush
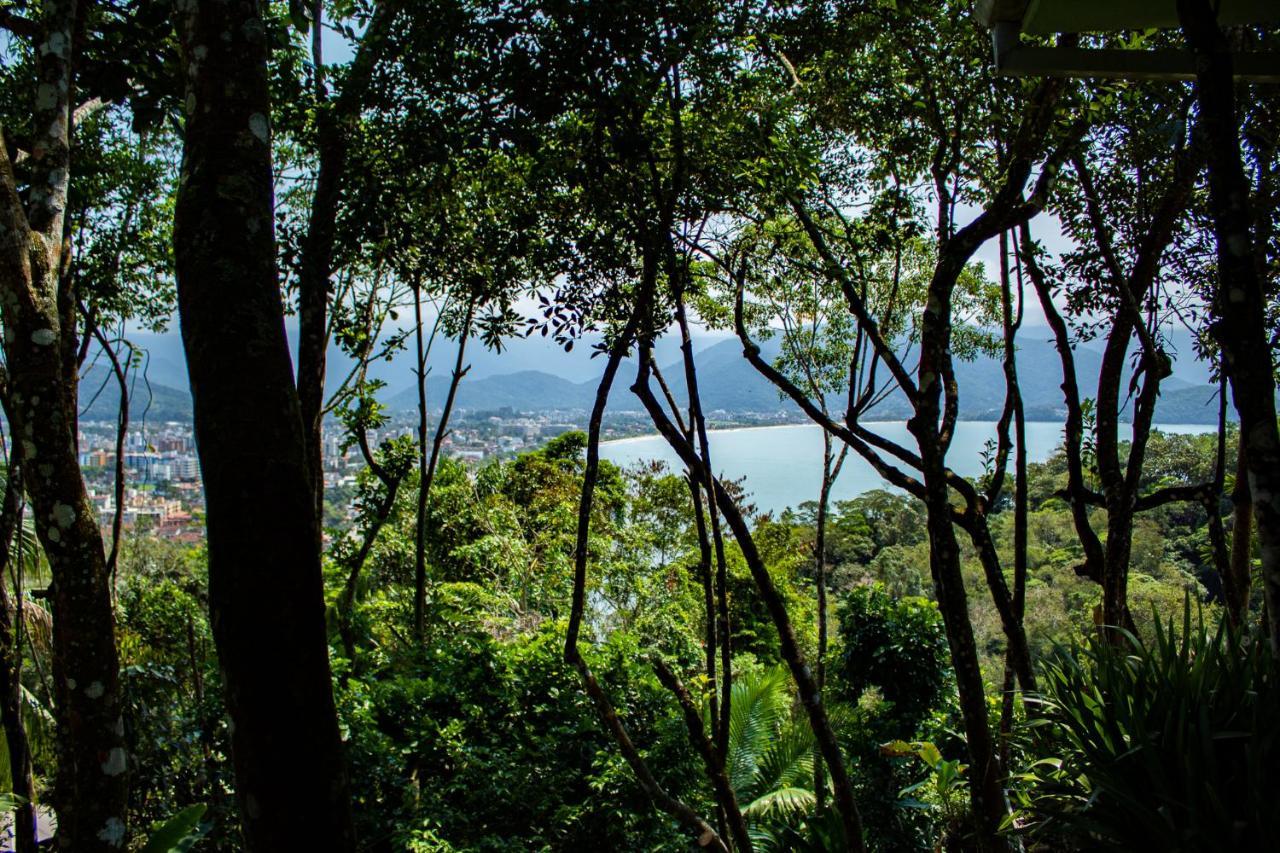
(179, 833)
(788, 802)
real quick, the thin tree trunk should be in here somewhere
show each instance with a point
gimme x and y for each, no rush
(1211, 502)
(726, 797)
(1239, 302)
(702, 831)
(830, 470)
(15, 730)
(708, 603)
(428, 465)
(928, 426)
(390, 481)
(1073, 437)
(1012, 322)
(1241, 568)
(212, 789)
(335, 124)
(428, 462)
(698, 426)
(788, 647)
(420, 518)
(705, 576)
(122, 433)
(265, 588)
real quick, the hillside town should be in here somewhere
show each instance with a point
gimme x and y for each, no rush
(163, 496)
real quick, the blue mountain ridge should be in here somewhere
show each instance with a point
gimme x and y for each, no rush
(551, 379)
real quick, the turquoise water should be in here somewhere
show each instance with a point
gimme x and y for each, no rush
(783, 464)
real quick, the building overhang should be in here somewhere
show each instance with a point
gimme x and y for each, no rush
(1008, 20)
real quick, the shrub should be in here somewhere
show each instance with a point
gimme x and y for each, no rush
(1163, 746)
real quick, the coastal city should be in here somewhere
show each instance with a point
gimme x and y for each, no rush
(163, 496)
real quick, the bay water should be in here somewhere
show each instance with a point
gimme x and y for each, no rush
(782, 465)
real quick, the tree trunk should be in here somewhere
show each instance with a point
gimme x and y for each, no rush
(830, 469)
(1239, 302)
(693, 822)
(122, 435)
(789, 649)
(427, 474)
(1118, 542)
(705, 576)
(927, 425)
(726, 797)
(92, 779)
(698, 428)
(334, 128)
(390, 481)
(1012, 322)
(15, 730)
(985, 786)
(40, 346)
(265, 590)
(1241, 563)
(420, 518)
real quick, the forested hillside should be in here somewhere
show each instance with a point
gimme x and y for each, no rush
(375, 589)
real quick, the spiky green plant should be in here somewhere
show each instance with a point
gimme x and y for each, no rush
(1167, 745)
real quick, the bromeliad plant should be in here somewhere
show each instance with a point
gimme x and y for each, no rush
(1167, 745)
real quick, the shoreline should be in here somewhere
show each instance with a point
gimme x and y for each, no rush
(1170, 428)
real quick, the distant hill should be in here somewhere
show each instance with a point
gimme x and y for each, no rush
(100, 399)
(526, 390)
(727, 382)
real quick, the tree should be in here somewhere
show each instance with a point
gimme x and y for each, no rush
(836, 147)
(265, 588)
(1122, 263)
(40, 350)
(336, 103)
(627, 88)
(1240, 300)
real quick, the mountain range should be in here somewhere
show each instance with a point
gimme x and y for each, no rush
(551, 379)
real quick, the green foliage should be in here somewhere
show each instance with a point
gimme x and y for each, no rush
(178, 834)
(771, 745)
(786, 549)
(945, 790)
(175, 723)
(1163, 744)
(491, 744)
(891, 665)
(896, 646)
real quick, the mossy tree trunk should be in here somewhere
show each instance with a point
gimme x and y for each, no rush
(40, 346)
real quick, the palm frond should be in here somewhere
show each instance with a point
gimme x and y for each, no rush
(783, 803)
(788, 761)
(760, 703)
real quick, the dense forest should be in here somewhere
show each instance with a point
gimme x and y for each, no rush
(544, 650)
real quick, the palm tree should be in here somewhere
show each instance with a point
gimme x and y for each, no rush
(770, 759)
